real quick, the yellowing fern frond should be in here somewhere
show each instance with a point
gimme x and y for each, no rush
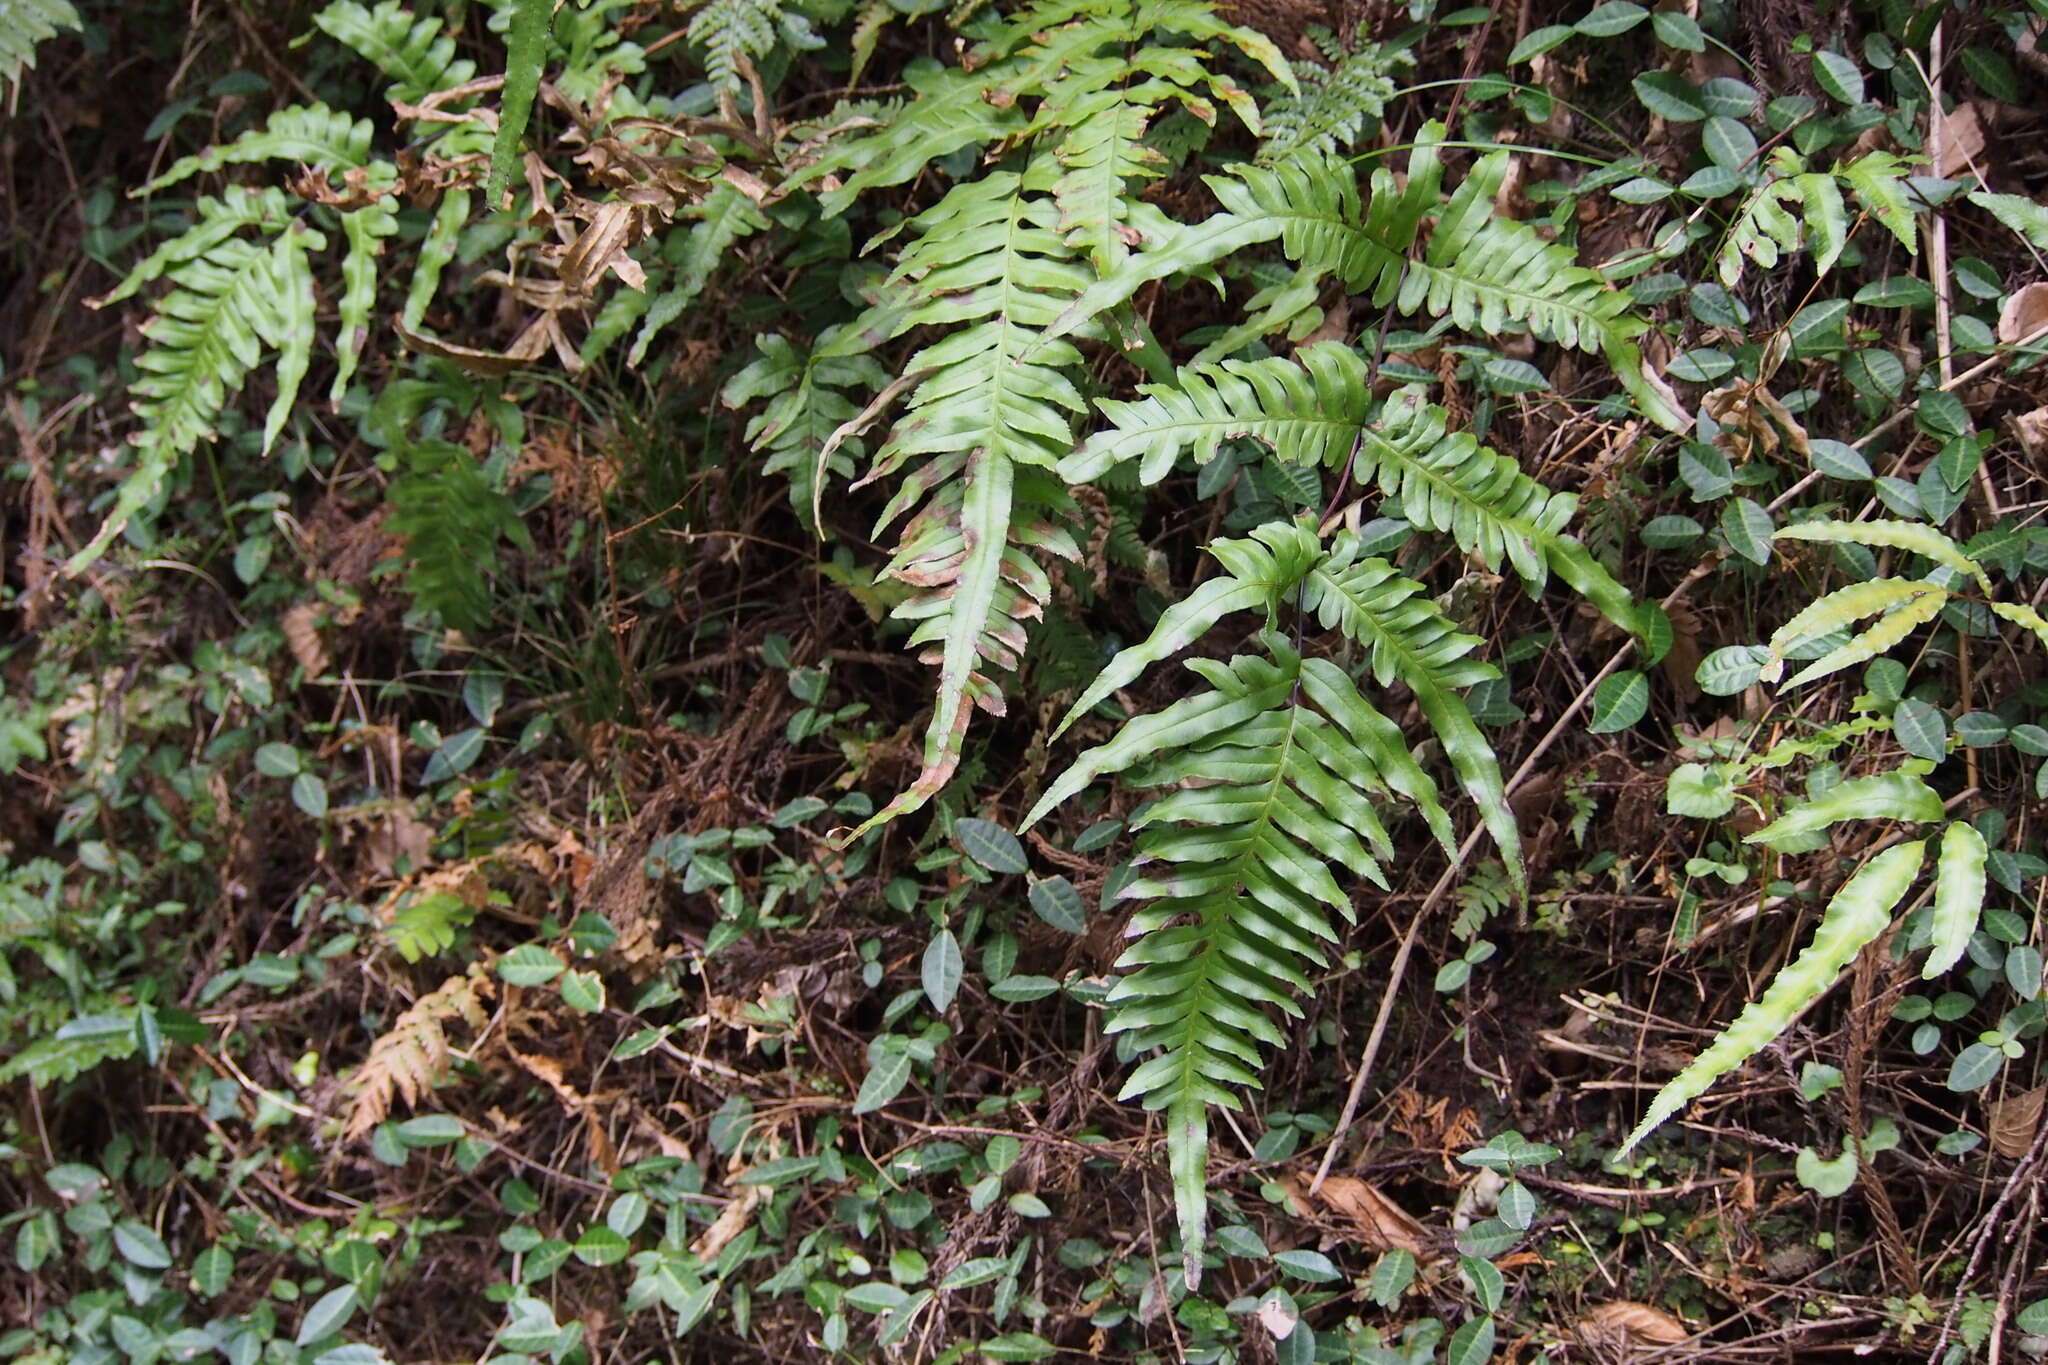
(410, 1058)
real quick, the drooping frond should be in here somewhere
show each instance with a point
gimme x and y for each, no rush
(24, 24)
(417, 55)
(1269, 782)
(1447, 481)
(989, 401)
(1410, 641)
(366, 230)
(1318, 409)
(1486, 273)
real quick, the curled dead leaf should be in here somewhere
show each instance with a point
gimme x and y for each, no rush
(1625, 1324)
(2032, 430)
(1278, 1317)
(2014, 1121)
(2024, 314)
(732, 1220)
(1377, 1223)
(302, 634)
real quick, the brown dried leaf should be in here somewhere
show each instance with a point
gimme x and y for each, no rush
(410, 1058)
(1377, 1222)
(1962, 140)
(732, 1220)
(2032, 430)
(2014, 1121)
(1626, 1323)
(398, 837)
(2024, 314)
(302, 634)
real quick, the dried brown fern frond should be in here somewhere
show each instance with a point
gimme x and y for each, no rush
(410, 1058)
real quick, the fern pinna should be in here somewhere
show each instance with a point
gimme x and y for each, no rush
(1275, 778)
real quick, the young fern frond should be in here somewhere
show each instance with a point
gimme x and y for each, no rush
(23, 25)
(1269, 780)
(1336, 107)
(417, 55)
(806, 406)
(731, 33)
(1858, 913)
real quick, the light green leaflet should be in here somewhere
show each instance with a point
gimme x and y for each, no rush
(1958, 897)
(1900, 535)
(1887, 796)
(1840, 609)
(526, 50)
(1858, 913)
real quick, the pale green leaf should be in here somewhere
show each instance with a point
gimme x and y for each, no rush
(1885, 796)
(1858, 913)
(1901, 535)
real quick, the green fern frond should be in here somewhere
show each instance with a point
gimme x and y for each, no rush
(1446, 481)
(23, 25)
(453, 517)
(305, 134)
(951, 109)
(1791, 198)
(1902, 605)
(229, 306)
(1486, 273)
(1481, 894)
(1257, 572)
(434, 253)
(807, 404)
(1409, 640)
(1317, 408)
(1268, 784)
(724, 216)
(366, 230)
(730, 32)
(417, 55)
(216, 220)
(1336, 108)
(991, 264)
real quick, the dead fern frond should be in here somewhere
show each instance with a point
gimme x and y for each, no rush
(410, 1058)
